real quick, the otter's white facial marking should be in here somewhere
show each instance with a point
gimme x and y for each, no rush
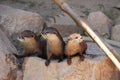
(75, 37)
(21, 40)
(44, 36)
(25, 39)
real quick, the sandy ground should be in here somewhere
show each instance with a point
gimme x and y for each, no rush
(47, 9)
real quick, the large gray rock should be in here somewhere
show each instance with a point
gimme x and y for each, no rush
(19, 75)
(99, 68)
(100, 22)
(116, 33)
(66, 30)
(16, 20)
(64, 19)
(117, 21)
(64, 24)
(8, 66)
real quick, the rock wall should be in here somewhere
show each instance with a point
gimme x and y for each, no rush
(16, 20)
(116, 32)
(8, 65)
(98, 68)
(100, 22)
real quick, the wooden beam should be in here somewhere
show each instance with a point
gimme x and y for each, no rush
(111, 53)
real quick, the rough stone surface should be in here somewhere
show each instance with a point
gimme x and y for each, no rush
(64, 24)
(8, 65)
(19, 75)
(103, 69)
(117, 21)
(98, 68)
(100, 22)
(16, 20)
(116, 33)
(66, 30)
(63, 19)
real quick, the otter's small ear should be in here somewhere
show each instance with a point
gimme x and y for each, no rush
(68, 38)
(20, 37)
(81, 37)
(33, 35)
(39, 35)
(44, 25)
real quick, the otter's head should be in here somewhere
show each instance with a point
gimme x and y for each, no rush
(48, 30)
(26, 35)
(76, 37)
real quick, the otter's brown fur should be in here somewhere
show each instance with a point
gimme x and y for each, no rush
(55, 43)
(32, 44)
(75, 44)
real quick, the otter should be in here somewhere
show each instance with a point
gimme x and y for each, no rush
(33, 45)
(55, 43)
(75, 44)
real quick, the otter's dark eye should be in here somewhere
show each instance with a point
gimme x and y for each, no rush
(76, 37)
(32, 35)
(22, 37)
(68, 39)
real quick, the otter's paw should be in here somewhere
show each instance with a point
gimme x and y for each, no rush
(82, 57)
(69, 61)
(61, 59)
(47, 63)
